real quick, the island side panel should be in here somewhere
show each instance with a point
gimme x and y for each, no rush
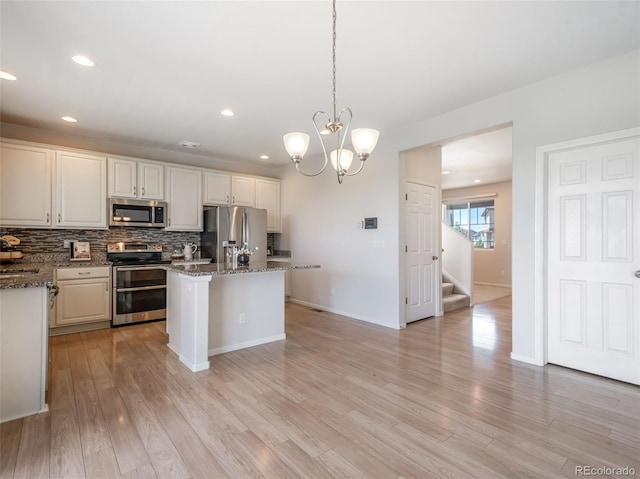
(245, 310)
(194, 324)
(23, 351)
(174, 306)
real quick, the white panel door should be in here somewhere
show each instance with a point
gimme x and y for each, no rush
(593, 240)
(421, 251)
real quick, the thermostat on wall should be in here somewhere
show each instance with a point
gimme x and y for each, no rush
(371, 223)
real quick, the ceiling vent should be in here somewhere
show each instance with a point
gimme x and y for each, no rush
(189, 144)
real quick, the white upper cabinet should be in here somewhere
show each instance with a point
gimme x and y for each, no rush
(25, 186)
(184, 199)
(136, 179)
(243, 191)
(268, 197)
(81, 191)
(150, 180)
(217, 188)
(226, 189)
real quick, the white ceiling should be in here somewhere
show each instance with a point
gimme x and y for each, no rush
(479, 159)
(164, 70)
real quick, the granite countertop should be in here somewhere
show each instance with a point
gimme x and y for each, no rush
(221, 269)
(80, 264)
(44, 276)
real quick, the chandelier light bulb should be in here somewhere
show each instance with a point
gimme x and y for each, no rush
(364, 140)
(346, 157)
(296, 144)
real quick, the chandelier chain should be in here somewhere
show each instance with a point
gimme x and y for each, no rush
(334, 60)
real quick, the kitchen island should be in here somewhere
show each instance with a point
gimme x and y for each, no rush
(24, 293)
(216, 308)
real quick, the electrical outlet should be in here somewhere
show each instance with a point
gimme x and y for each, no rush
(243, 318)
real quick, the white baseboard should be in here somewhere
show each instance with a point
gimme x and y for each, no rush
(493, 284)
(194, 367)
(348, 315)
(247, 344)
(525, 359)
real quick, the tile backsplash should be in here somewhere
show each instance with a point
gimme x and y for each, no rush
(39, 242)
(48, 244)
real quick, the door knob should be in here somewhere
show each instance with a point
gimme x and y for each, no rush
(434, 258)
(637, 273)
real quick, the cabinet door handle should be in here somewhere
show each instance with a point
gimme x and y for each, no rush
(134, 191)
(169, 222)
(59, 217)
(84, 272)
(143, 191)
(234, 199)
(48, 217)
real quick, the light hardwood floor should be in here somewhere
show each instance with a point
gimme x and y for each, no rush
(483, 293)
(339, 398)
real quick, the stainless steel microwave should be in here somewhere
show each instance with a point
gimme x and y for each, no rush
(140, 213)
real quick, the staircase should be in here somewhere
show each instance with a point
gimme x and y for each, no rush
(453, 299)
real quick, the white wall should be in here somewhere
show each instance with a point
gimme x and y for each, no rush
(319, 226)
(588, 101)
(492, 266)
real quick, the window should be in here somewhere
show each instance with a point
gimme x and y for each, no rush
(475, 220)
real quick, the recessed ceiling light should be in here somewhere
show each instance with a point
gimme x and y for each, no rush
(477, 181)
(446, 172)
(70, 119)
(7, 76)
(82, 60)
(264, 157)
(227, 112)
(189, 144)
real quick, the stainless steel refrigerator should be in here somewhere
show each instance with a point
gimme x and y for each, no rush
(225, 226)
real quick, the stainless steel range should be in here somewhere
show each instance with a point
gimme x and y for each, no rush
(139, 283)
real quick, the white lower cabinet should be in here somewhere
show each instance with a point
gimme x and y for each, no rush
(84, 296)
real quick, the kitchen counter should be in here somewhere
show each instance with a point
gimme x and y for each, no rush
(44, 276)
(216, 308)
(221, 269)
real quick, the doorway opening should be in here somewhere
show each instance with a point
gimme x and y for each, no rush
(473, 178)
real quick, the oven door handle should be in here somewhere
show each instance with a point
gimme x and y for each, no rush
(136, 268)
(144, 288)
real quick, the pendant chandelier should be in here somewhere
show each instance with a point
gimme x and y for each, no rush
(363, 139)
